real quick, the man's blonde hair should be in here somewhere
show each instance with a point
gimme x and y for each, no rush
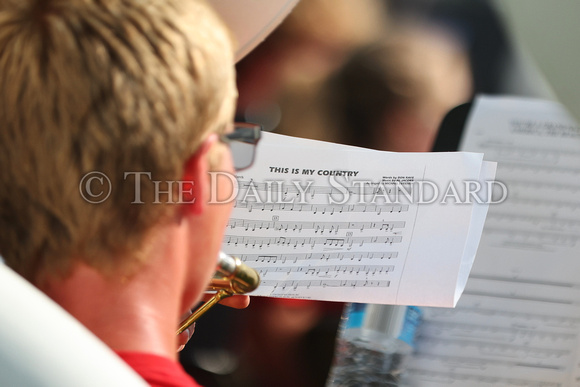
(113, 86)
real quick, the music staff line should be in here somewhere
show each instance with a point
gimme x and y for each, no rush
(500, 348)
(509, 296)
(282, 258)
(346, 242)
(565, 322)
(523, 280)
(573, 188)
(538, 167)
(546, 203)
(547, 222)
(523, 150)
(328, 270)
(469, 362)
(323, 209)
(506, 333)
(325, 284)
(287, 188)
(448, 378)
(537, 238)
(318, 227)
(506, 155)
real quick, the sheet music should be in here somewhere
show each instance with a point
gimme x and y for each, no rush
(330, 222)
(518, 321)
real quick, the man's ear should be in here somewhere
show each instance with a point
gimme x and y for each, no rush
(195, 179)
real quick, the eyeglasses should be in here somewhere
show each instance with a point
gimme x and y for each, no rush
(242, 142)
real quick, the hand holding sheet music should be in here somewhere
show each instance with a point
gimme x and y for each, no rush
(330, 222)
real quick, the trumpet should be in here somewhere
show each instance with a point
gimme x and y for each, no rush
(232, 276)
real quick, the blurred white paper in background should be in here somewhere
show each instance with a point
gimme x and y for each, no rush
(518, 321)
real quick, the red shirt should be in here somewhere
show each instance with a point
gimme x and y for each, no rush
(157, 370)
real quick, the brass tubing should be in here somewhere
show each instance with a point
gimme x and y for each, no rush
(220, 295)
(232, 277)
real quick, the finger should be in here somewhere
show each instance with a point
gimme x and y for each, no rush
(184, 336)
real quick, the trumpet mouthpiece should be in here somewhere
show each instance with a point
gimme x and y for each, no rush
(243, 278)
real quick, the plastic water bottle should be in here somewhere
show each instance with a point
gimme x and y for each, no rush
(373, 344)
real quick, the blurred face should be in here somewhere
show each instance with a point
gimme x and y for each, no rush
(210, 224)
(412, 126)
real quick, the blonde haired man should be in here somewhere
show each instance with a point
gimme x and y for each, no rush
(112, 115)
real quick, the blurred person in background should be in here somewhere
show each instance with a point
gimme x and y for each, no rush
(393, 94)
(311, 43)
(477, 23)
(431, 56)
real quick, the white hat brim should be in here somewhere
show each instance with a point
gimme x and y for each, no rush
(251, 21)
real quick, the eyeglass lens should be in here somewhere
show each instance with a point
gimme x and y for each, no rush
(242, 153)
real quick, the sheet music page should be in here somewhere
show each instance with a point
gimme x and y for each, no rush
(518, 321)
(330, 222)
